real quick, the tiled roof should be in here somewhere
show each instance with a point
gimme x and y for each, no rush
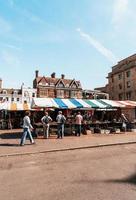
(56, 80)
(10, 90)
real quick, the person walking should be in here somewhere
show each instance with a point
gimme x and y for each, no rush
(46, 119)
(79, 120)
(27, 128)
(60, 121)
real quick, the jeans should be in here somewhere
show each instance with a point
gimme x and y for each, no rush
(46, 130)
(78, 129)
(26, 132)
(60, 130)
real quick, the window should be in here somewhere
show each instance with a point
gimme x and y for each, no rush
(44, 93)
(120, 76)
(7, 98)
(73, 94)
(15, 92)
(61, 85)
(60, 93)
(33, 95)
(25, 101)
(17, 99)
(120, 96)
(12, 99)
(74, 86)
(128, 84)
(26, 94)
(4, 92)
(51, 84)
(67, 93)
(128, 95)
(128, 74)
(120, 86)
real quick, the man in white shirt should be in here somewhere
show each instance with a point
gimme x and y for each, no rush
(27, 128)
(46, 119)
(79, 120)
(60, 121)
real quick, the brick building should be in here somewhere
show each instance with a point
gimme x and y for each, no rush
(57, 87)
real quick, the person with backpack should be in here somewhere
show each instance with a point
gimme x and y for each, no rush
(60, 121)
(46, 119)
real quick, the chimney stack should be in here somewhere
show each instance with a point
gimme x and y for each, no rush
(0, 83)
(62, 76)
(36, 74)
(53, 75)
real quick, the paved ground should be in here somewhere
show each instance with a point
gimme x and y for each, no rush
(105, 173)
(9, 142)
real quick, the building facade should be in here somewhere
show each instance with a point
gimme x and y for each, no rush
(95, 94)
(122, 80)
(23, 95)
(57, 87)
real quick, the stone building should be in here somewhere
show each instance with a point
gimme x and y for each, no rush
(95, 94)
(122, 80)
(12, 95)
(56, 87)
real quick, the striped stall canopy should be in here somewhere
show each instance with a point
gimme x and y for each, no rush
(88, 104)
(69, 103)
(99, 104)
(127, 103)
(14, 106)
(65, 103)
(44, 103)
(112, 103)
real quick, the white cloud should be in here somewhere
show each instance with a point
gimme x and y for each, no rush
(120, 10)
(98, 46)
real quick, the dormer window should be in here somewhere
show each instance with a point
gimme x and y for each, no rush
(4, 92)
(74, 86)
(51, 84)
(67, 85)
(61, 85)
(15, 92)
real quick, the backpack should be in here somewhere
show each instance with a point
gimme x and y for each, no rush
(46, 120)
(62, 119)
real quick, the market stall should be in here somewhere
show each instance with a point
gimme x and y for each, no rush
(12, 114)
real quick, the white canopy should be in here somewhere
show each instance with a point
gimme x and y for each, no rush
(44, 103)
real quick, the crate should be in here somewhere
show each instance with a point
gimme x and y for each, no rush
(133, 130)
(106, 131)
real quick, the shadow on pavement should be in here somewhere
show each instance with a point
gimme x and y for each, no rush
(129, 180)
(10, 135)
(9, 145)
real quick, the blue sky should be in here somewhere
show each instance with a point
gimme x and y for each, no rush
(82, 39)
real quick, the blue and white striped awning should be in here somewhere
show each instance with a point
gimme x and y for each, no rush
(79, 103)
(67, 103)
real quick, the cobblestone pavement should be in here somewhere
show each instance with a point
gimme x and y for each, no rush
(9, 142)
